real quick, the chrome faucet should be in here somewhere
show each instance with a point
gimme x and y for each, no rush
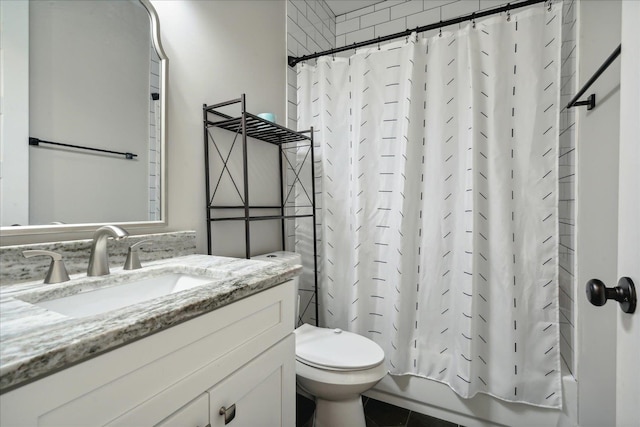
(99, 258)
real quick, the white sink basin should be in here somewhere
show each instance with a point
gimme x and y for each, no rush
(118, 296)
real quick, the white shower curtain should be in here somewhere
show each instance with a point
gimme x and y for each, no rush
(438, 180)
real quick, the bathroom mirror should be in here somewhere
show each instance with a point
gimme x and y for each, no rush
(90, 75)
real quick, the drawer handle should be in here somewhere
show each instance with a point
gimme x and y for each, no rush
(229, 413)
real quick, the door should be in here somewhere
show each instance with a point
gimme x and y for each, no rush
(597, 169)
(628, 336)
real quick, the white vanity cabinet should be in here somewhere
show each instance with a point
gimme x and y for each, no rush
(242, 354)
(254, 395)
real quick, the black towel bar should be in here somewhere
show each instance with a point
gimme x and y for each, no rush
(591, 100)
(37, 141)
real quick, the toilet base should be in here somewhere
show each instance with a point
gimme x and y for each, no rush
(342, 413)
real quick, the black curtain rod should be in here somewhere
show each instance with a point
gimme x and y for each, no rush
(591, 100)
(293, 60)
(36, 142)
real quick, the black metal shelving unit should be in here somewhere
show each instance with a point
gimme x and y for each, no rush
(245, 126)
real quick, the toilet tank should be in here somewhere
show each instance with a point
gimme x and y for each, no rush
(287, 258)
(284, 257)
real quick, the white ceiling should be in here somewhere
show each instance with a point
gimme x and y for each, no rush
(340, 7)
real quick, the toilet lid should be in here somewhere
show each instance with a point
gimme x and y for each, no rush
(336, 349)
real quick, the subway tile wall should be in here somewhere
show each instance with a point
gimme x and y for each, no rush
(311, 27)
(154, 139)
(391, 16)
(567, 182)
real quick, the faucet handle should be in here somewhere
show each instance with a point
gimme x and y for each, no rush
(133, 260)
(57, 272)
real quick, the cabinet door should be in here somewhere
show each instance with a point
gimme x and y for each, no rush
(261, 393)
(193, 414)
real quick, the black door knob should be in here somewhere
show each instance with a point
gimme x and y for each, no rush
(624, 293)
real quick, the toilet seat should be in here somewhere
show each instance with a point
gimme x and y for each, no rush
(337, 350)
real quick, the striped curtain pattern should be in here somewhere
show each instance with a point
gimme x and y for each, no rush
(438, 185)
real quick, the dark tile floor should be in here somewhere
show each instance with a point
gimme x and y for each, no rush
(377, 414)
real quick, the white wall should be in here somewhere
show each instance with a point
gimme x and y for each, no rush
(218, 50)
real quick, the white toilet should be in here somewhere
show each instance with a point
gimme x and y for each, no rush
(334, 366)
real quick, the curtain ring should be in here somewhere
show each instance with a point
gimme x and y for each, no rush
(417, 34)
(333, 57)
(440, 31)
(355, 49)
(378, 42)
(473, 20)
(549, 7)
(508, 14)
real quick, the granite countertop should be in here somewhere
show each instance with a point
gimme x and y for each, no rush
(35, 342)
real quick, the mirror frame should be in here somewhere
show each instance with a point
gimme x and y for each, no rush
(26, 230)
